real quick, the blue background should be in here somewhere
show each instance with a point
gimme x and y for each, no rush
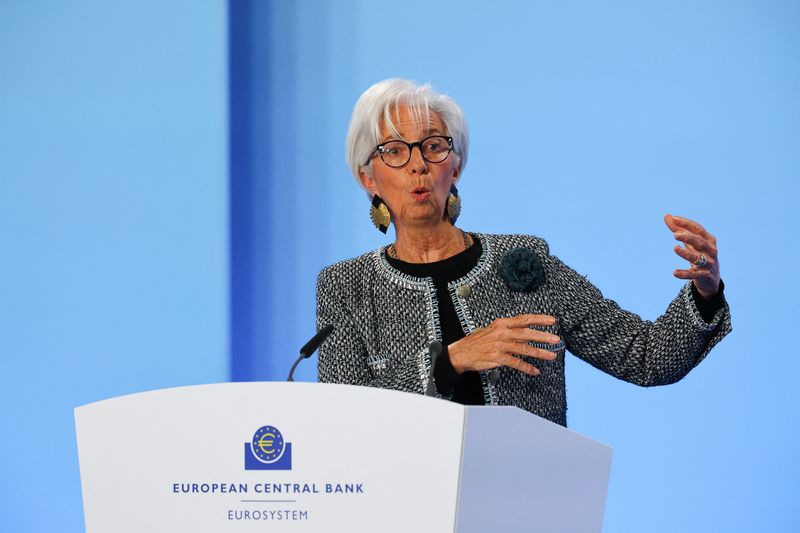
(172, 179)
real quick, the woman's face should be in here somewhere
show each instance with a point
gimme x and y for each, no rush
(416, 193)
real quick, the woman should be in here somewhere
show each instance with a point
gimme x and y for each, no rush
(504, 309)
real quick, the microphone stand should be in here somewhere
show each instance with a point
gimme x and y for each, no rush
(310, 347)
(435, 350)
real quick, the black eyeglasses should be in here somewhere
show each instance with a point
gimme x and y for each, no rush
(396, 154)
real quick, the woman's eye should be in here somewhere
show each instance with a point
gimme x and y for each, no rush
(393, 149)
(434, 146)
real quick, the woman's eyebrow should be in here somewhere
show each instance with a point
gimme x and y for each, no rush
(430, 132)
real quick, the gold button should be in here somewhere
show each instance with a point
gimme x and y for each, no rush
(464, 291)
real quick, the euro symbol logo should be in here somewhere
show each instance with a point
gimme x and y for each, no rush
(267, 444)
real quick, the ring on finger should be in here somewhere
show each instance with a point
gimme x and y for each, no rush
(701, 261)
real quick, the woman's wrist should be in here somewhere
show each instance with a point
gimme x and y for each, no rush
(708, 307)
(453, 351)
(706, 293)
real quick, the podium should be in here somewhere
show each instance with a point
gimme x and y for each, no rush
(318, 457)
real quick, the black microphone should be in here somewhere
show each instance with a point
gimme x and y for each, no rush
(435, 350)
(310, 347)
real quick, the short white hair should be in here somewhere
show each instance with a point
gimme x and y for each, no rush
(375, 107)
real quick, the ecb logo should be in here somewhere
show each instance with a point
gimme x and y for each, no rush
(267, 451)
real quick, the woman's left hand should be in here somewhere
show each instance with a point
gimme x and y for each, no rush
(701, 252)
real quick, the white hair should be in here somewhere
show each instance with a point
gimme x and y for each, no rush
(375, 107)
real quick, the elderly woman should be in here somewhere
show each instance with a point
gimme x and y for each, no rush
(504, 309)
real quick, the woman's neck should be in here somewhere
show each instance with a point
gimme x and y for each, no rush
(426, 245)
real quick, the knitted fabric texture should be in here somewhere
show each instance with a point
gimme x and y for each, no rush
(385, 320)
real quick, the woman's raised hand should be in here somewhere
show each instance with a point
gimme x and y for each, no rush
(500, 342)
(700, 249)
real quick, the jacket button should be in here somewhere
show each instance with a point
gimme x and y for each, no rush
(494, 376)
(464, 291)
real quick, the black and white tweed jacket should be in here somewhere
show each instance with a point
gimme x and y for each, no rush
(384, 321)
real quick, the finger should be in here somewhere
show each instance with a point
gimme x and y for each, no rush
(691, 225)
(533, 335)
(692, 256)
(678, 223)
(517, 348)
(518, 364)
(694, 273)
(523, 321)
(669, 220)
(696, 242)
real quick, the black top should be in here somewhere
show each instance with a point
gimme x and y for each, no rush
(466, 388)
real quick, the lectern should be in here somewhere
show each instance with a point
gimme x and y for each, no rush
(300, 457)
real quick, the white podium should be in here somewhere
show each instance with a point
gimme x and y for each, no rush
(331, 458)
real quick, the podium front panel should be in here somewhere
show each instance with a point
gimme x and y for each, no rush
(270, 456)
(522, 473)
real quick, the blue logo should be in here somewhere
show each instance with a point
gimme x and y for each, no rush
(267, 451)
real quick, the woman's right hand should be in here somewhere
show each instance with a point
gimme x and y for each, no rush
(500, 342)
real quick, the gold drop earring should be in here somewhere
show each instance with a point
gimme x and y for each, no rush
(379, 214)
(453, 204)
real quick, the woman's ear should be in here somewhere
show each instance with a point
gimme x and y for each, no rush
(456, 173)
(366, 180)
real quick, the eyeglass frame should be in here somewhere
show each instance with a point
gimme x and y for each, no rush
(411, 146)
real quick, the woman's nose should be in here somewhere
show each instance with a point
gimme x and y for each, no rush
(417, 163)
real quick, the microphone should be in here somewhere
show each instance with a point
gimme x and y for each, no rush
(310, 347)
(435, 350)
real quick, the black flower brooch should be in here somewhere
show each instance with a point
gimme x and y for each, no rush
(521, 270)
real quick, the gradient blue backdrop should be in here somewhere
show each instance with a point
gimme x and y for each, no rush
(137, 254)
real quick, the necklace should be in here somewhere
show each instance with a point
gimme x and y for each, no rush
(393, 250)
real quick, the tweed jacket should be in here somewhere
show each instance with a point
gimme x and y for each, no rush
(385, 320)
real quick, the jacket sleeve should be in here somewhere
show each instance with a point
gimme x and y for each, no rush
(344, 357)
(624, 345)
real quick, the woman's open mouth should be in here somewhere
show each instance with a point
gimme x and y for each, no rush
(421, 193)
